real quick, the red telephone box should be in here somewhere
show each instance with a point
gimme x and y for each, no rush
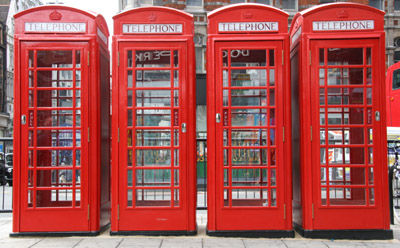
(61, 124)
(339, 123)
(154, 106)
(392, 95)
(248, 101)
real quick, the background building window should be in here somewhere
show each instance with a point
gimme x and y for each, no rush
(194, 3)
(268, 2)
(238, 1)
(375, 3)
(327, 1)
(289, 4)
(397, 5)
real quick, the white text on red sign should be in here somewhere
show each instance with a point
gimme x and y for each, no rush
(343, 25)
(152, 28)
(55, 27)
(248, 26)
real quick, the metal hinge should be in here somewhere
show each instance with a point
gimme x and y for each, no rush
(118, 135)
(88, 134)
(118, 58)
(283, 57)
(118, 211)
(283, 133)
(88, 58)
(284, 211)
(312, 205)
(88, 211)
(311, 133)
(310, 57)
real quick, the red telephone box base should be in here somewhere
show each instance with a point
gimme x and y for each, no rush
(253, 234)
(368, 234)
(154, 233)
(60, 234)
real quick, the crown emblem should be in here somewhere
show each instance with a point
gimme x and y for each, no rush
(55, 15)
(152, 17)
(342, 14)
(247, 15)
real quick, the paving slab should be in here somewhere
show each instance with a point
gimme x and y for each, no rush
(304, 243)
(344, 244)
(99, 243)
(223, 242)
(383, 244)
(182, 243)
(141, 242)
(57, 242)
(263, 243)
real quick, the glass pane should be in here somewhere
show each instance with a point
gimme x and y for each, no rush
(153, 78)
(176, 157)
(54, 198)
(129, 198)
(153, 117)
(226, 177)
(321, 77)
(250, 97)
(176, 178)
(226, 197)
(77, 158)
(371, 176)
(130, 78)
(347, 196)
(225, 78)
(129, 178)
(176, 58)
(323, 196)
(249, 137)
(59, 138)
(149, 157)
(248, 58)
(31, 80)
(249, 197)
(155, 58)
(345, 136)
(323, 176)
(249, 177)
(346, 176)
(31, 59)
(150, 178)
(248, 117)
(153, 98)
(271, 57)
(55, 79)
(153, 137)
(176, 79)
(271, 77)
(176, 98)
(54, 118)
(78, 58)
(345, 116)
(153, 197)
(225, 98)
(321, 56)
(54, 59)
(55, 98)
(130, 59)
(371, 196)
(345, 56)
(345, 76)
(59, 158)
(245, 157)
(248, 78)
(369, 96)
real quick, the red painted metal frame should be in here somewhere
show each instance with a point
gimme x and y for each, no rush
(303, 42)
(392, 98)
(152, 220)
(92, 42)
(279, 40)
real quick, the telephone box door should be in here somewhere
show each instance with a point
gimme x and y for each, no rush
(346, 108)
(54, 147)
(153, 188)
(249, 155)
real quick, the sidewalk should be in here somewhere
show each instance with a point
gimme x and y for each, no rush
(201, 240)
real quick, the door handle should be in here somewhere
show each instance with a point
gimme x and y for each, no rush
(218, 117)
(377, 115)
(183, 127)
(23, 119)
